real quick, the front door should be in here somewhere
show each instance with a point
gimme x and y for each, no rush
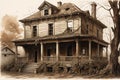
(48, 52)
(35, 58)
(69, 51)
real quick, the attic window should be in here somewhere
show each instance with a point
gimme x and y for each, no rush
(67, 9)
(34, 31)
(46, 12)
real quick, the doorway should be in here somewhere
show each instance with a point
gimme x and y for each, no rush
(69, 53)
(35, 58)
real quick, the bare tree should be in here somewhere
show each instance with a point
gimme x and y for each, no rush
(113, 65)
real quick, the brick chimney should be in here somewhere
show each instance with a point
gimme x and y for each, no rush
(93, 9)
(59, 4)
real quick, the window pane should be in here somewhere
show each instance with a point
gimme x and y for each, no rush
(50, 29)
(70, 23)
(46, 12)
(34, 31)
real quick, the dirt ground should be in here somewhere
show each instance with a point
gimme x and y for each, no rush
(31, 76)
(27, 76)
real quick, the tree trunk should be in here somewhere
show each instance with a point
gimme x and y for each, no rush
(115, 67)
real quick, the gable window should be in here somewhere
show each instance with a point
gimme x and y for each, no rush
(34, 31)
(46, 12)
(50, 26)
(70, 25)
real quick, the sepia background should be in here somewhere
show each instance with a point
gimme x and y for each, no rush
(22, 8)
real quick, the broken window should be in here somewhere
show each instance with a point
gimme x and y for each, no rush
(34, 31)
(46, 12)
(50, 26)
(70, 25)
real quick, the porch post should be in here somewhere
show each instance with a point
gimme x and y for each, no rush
(98, 50)
(107, 53)
(90, 50)
(41, 51)
(77, 48)
(57, 51)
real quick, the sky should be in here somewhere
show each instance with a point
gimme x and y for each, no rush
(24, 8)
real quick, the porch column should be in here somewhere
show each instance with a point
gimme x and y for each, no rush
(90, 50)
(41, 51)
(98, 50)
(107, 53)
(57, 51)
(77, 48)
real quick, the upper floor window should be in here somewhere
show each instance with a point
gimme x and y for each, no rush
(34, 31)
(97, 33)
(46, 12)
(70, 25)
(87, 29)
(50, 26)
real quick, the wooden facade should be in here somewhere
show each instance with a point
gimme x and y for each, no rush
(74, 35)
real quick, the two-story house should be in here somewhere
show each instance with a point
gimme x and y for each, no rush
(62, 34)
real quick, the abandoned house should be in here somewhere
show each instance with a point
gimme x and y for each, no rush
(7, 57)
(62, 36)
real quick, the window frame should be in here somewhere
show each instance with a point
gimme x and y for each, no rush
(46, 12)
(69, 23)
(34, 31)
(50, 29)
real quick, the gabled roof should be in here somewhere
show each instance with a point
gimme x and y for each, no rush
(65, 9)
(12, 52)
(48, 4)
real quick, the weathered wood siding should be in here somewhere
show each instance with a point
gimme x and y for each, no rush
(59, 26)
(7, 58)
(92, 28)
(28, 31)
(43, 29)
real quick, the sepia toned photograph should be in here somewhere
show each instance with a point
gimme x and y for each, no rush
(59, 39)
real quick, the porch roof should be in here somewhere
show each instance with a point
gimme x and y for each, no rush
(62, 37)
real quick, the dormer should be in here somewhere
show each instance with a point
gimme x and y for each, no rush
(47, 8)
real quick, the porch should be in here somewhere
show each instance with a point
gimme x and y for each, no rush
(73, 51)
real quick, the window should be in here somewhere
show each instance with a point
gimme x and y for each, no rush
(97, 33)
(50, 29)
(5, 55)
(70, 25)
(87, 29)
(34, 31)
(67, 9)
(46, 12)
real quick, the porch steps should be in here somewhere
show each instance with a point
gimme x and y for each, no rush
(30, 68)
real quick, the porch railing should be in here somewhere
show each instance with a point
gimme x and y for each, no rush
(21, 60)
(49, 59)
(64, 58)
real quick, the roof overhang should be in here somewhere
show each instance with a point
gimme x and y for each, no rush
(60, 38)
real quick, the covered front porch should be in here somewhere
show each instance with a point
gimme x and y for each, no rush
(72, 50)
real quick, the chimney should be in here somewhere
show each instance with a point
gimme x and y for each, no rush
(93, 9)
(59, 4)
